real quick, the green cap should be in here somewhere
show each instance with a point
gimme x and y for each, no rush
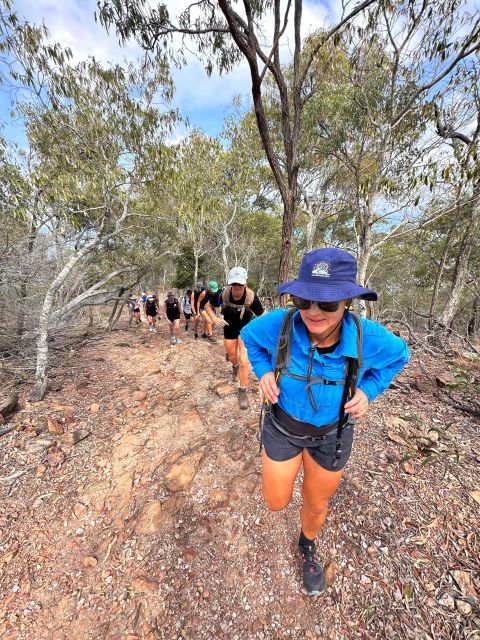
(213, 286)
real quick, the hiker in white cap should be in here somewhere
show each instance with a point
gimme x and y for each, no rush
(238, 305)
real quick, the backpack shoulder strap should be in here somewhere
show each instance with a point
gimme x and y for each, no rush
(249, 298)
(284, 342)
(226, 294)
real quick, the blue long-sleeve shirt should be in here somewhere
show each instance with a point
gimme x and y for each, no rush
(384, 355)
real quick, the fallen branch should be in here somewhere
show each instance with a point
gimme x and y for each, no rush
(446, 397)
(15, 475)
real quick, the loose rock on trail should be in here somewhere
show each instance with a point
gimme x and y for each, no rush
(132, 508)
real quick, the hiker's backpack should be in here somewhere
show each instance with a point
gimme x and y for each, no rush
(226, 302)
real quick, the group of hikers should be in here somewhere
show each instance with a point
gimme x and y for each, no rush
(319, 368)
(230, 307)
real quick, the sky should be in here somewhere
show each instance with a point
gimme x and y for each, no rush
(204, 101)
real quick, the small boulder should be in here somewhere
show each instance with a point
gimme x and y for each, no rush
(144, 585)
(182, 472)
(75, 437)
(56, 458)
(225, 390)
(445, 379)
(54, 426)
(80, 510)
(139, 396)
(149, 521)
(94, 408)
(8, 405)
(89, 562)
(217, 499)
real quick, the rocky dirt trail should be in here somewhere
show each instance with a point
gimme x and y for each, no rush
(131, 508)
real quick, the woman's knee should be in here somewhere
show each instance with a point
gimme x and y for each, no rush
(275, 503)
(316, 508)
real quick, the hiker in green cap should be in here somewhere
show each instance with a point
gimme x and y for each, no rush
(212, 288)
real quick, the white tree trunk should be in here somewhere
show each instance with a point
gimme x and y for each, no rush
(38, 391)
(463, 259)
(195, 273)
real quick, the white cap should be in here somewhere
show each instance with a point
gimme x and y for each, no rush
(238, 275)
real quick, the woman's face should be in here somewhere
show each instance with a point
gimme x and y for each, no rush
(320, 322)
(238, 290)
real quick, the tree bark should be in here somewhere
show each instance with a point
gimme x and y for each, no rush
(474, 322)
(195, 273)
(41, 380)
(438, 277)
(24, 281)
(469, 241)
(111, 321)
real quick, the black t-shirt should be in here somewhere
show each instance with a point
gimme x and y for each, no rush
(151, 304)
(331, 349)
(206, 298)
(232, 314)
(196, 295)
(171, 306)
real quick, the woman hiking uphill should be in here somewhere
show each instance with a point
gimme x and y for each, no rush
(238, 304)
(151, 310)
(172, 310)
(329, 369)
(204, 297)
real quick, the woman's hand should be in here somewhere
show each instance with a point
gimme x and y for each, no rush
(358, 405)
(220, 322)
(268, 387)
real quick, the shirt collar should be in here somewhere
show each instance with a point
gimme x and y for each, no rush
(348, 336)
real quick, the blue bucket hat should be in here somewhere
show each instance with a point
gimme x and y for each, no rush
(327, 275)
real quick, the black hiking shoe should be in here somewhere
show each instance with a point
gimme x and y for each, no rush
(227, 357)
(313, 574)
(235, 368)
(186, 327)
(243, 399)
(196, 336)
(204, 336)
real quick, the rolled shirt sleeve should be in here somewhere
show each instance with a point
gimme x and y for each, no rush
(391, 357)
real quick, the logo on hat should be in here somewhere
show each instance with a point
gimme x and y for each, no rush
(321, 269)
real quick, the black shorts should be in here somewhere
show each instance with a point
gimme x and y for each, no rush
(281, 447)
(187, 315)
(136, 310)
(152, 314)
(173, 315)
(231, 333)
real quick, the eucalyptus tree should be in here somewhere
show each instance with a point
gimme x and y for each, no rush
(458, 121)
(196, 194)
(422, 45)
(223, 34)
(94, 150)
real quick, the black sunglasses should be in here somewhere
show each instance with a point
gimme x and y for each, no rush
(237, 284)
(303, 304)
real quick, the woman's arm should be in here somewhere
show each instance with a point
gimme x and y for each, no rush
(389, 360)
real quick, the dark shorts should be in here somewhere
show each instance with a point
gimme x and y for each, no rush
(280, 447)
(152, 314)
(136, 310)
(231, 333)
(187, 315)
(173, 315)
